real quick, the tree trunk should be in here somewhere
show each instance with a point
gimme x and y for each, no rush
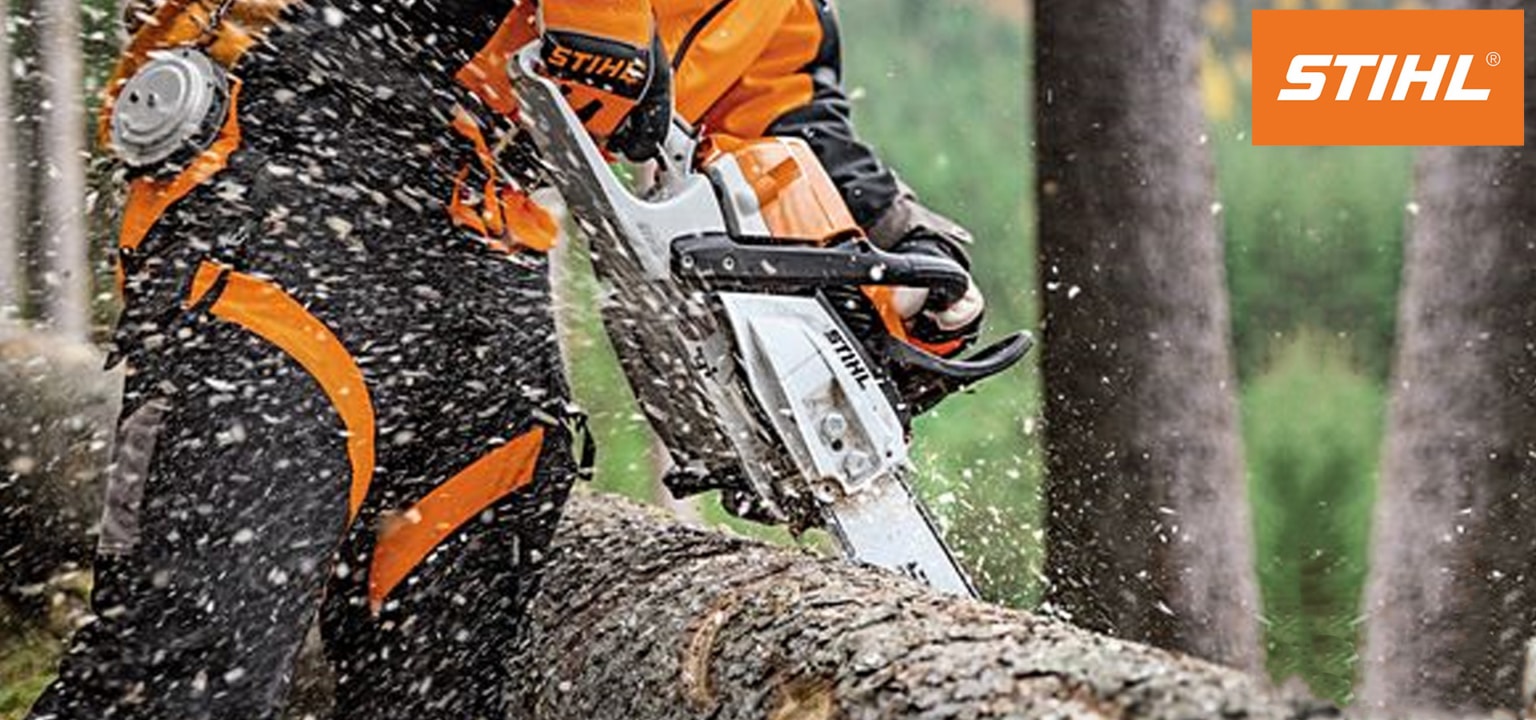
(68, 275)
(642, 618)
(1148, 525)
(1452, 593)
(10, 247)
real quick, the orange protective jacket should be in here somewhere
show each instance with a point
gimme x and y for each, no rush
(745, 68)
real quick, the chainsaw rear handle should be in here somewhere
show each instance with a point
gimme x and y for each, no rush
(723, 263)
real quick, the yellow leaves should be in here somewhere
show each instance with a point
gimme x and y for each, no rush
(1242, 65)
(1218, 88)
(1219, 17)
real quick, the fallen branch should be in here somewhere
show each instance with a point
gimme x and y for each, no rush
(642, 618)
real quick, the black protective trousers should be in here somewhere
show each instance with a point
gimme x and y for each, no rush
(319, 361)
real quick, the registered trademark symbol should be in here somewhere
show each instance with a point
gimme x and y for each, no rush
(1493, 59)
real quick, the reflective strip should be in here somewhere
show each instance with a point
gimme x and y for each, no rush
(265, 310)
(406, 539)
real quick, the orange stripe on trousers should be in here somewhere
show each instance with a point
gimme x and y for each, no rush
(264, 309)
(406, 539)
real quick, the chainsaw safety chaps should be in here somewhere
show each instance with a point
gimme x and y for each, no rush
(340, 404)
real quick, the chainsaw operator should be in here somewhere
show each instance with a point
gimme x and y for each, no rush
(344, 394)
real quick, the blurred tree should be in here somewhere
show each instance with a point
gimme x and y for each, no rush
(1147, 524)
(21, 118)
(67, 277)
(1452, 594)
(10, 251)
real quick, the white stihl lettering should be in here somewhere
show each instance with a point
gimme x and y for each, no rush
(1300, 75)
(1307, 70)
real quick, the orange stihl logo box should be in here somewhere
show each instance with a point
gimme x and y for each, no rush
(1388, 77)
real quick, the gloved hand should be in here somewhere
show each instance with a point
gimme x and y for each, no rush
(609, 61)
(944, 325)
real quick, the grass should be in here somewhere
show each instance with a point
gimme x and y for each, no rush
(27, 657)
(1312, 424)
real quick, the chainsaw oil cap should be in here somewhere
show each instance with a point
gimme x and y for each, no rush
(170, 110)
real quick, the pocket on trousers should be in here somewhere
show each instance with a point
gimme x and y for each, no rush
(131, 457)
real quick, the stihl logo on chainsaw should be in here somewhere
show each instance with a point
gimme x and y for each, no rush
(849, 357)
(1388, 77)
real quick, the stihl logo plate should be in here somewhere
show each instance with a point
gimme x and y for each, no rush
(1388, 77)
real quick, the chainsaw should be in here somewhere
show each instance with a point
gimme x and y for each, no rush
(718, 279)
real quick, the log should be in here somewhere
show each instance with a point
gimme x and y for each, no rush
(639, 617)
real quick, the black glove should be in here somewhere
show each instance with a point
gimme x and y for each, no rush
(940, 323)
(610, 63)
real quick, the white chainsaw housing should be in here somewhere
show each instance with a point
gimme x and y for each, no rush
(836, 422)
(818, 391)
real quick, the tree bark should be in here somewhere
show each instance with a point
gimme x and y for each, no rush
(639, 617)
(1148, 525)
(66, 256)
(10, 247)
(1451, 599)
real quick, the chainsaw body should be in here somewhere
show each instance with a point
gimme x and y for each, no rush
(714, 282)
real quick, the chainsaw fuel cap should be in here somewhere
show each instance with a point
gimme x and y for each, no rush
(170, 110)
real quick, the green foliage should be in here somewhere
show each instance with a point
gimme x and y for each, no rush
(1312, 426)
(1314, 239)
(27, 658)
(942, 90)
